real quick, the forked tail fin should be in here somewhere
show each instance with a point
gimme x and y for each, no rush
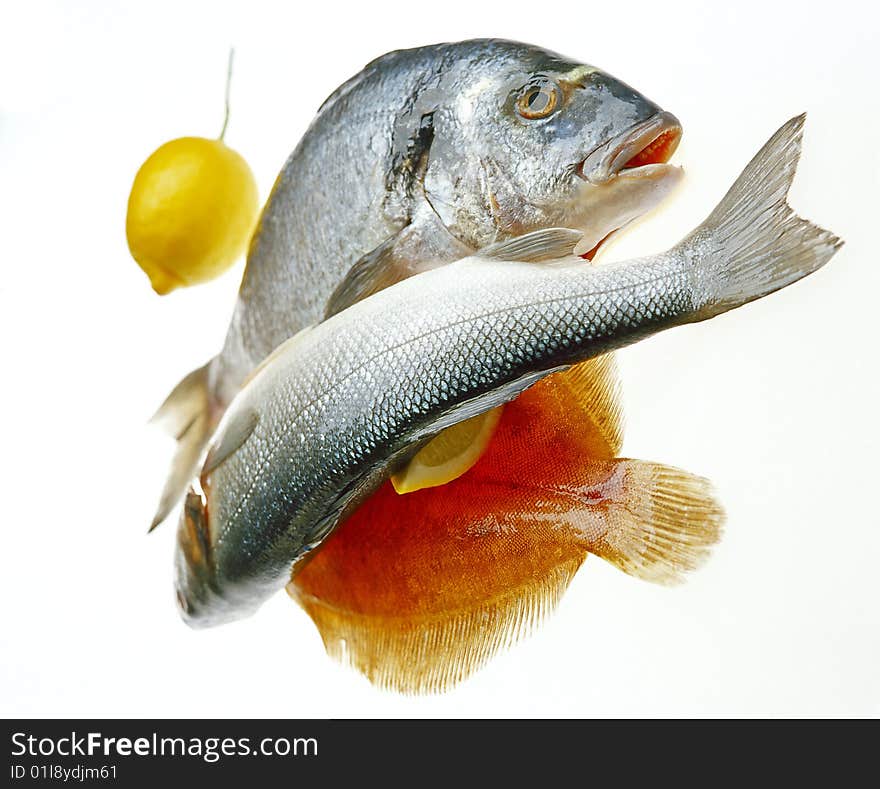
(753, 242)
(186, 415)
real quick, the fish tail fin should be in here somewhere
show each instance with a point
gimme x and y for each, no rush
(758, 243)
(185, 415)
(662, 523)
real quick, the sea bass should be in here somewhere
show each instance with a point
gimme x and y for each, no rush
(424, 157)
(334, 409)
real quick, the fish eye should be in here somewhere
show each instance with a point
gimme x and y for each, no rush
(538, 99)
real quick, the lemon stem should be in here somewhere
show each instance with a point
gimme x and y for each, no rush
(228, 83)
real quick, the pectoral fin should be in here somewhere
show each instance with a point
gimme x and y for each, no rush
(236, 431)
(540, 246)
(423, 244)
(375, 271)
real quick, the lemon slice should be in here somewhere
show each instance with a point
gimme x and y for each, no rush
(449, 454)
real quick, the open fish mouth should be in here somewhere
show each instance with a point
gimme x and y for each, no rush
(641, 152)
(649, 143)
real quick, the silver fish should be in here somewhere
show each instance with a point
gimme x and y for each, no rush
(336, 408)
(424, 157)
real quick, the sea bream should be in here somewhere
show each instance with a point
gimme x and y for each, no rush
(334, 410)
(424, 157)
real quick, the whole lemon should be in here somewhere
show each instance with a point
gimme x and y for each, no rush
(191, 212)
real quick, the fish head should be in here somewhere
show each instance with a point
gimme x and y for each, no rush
(533, 140)
(202, 600)
(192, 565)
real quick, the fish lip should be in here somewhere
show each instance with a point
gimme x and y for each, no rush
(607, 160)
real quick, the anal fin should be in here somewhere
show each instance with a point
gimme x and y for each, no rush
(418, 591)
(428, 653)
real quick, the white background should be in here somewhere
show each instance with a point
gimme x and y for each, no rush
(776, 402)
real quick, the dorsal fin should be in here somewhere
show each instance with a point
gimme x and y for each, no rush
(541, 246)
(235, 433)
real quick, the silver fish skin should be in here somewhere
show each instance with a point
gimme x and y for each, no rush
(336, 408)
(421, 159)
